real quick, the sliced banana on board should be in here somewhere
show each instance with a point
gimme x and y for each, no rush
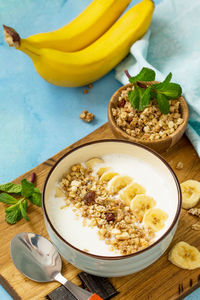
(185, 256)
(118, 183)
(155, 219)
(102, 170)
(93, 161)
(131, 191)
(107, 176)
(142, 203)
(190, 193)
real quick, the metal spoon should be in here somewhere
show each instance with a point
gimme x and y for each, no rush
(35, 257)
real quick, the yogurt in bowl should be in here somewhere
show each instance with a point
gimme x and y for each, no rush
(111, 225)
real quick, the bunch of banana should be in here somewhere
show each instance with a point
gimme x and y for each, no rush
(51, 52)
(190, 193)
(94, 21)
(185, 256)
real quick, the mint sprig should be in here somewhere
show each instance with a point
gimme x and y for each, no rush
(18, 210)
(10, 188)
(162, 92)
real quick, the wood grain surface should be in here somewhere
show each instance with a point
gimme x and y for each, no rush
(161, 280)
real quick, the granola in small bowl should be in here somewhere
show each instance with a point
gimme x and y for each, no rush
(140, 113)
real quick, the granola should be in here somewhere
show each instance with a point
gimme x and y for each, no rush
(179, 165)
(148, 124)
(194, 211)
(118, 225)
(196, 226)
(86, 116)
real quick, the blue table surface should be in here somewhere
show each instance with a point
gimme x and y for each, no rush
(38, 119)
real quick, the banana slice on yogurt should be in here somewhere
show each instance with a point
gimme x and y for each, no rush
(155, 219)
(102, 170)
(190, 193)
(93, 161)
(185, 256)
(141, 203)
(131, 191)
(118, 183)
(107, 176)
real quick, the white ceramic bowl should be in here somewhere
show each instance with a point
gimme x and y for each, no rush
(113, 265)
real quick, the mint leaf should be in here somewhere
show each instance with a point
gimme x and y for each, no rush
(35, 198)
(23, 208)
(13, 214)
(144, 75)
(170, 90)
(145, 99)
(133, 97)
(10, 188)
(168, 78)
(27, 188)
(163, 103)
(6, 198)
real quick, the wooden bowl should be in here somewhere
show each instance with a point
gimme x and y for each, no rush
(158, 145)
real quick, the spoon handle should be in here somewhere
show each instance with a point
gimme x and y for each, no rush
(78, 292)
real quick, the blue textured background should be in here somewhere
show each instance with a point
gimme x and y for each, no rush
(38, 119)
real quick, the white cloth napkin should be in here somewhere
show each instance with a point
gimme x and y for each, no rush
(172, 45)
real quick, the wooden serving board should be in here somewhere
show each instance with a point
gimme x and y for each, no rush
(161, 280)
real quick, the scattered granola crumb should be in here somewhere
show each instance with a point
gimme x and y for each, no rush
(196, 226)
(86, 250)
(179, 165)
(86, 116)
(194, 211)
(85, 91)
(90, 86)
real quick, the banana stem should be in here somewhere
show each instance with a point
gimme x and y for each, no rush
(11, 36)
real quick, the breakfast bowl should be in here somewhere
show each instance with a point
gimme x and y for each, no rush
(163, 142)
(78, 242)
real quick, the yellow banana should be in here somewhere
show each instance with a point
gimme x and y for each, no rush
(85, 66)
(84, 29)
(93, 161)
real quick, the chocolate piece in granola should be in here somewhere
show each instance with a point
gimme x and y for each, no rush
(122, 103)
(110, 217)
(89, 198)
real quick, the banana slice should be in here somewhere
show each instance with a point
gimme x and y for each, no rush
(185, 256)
(142, 203)
(130, 191)
(190, 193)
(93, 161)
(102, 170)
(155, 219)
(118, 183)
(59, 193)
(107, 176)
